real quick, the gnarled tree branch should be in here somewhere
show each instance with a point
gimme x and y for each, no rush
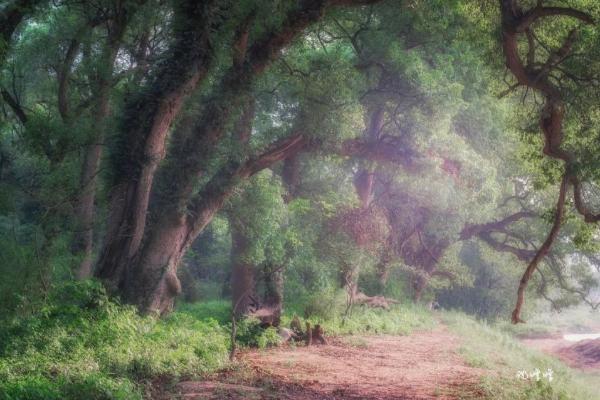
(514, 23)
(542, 251)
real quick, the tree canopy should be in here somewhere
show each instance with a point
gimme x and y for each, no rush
(432, 150)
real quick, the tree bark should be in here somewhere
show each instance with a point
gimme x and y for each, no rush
(85, 209)
(536, 75)
(290, 176)
(542, 251)
(130, 198)
(148, 118)
(364, 186)
(152, 282)
(145, 272)
(243, 282)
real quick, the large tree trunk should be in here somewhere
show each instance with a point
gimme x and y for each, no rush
(151, 282)
(243, 283)
(130, 199)
(145, 146)
(147, 120)
(85, 208)
(364, 186)
(143, 272)
(365, 176)
(542, 251)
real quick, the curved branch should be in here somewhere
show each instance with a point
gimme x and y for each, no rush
(63, 78)
(552, 118)
(521, 254)
(542, 251)
(476, 230)
(14, 105)
(540, 12)
(221, 185)
(278, 151)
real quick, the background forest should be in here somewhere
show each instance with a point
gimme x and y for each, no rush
(168, 166)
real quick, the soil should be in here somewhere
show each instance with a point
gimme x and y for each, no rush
(424, 365)
(584, 355)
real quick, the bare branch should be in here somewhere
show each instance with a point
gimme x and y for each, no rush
(278, 151)
(474, 230)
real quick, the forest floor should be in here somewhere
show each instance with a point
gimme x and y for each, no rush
(423, 365)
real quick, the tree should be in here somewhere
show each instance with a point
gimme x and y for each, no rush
(377, 121)
(537, 75)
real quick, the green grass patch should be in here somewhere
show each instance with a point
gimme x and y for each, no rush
(81, 345)
(503, 356)
(401, 319)
(217, 310)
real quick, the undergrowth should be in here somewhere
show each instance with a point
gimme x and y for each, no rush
(401, 319)
(81, 345)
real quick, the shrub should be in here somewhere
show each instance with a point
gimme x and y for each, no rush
(251, 334)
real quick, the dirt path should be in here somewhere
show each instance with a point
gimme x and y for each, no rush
(584, 355)
(423, 365)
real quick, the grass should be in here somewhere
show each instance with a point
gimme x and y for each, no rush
(580, 319)
(402, 319)
(212, 310)
(80, 345)
(503, 356)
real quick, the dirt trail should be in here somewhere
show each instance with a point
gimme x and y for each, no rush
(424, 365)
(584, 355)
